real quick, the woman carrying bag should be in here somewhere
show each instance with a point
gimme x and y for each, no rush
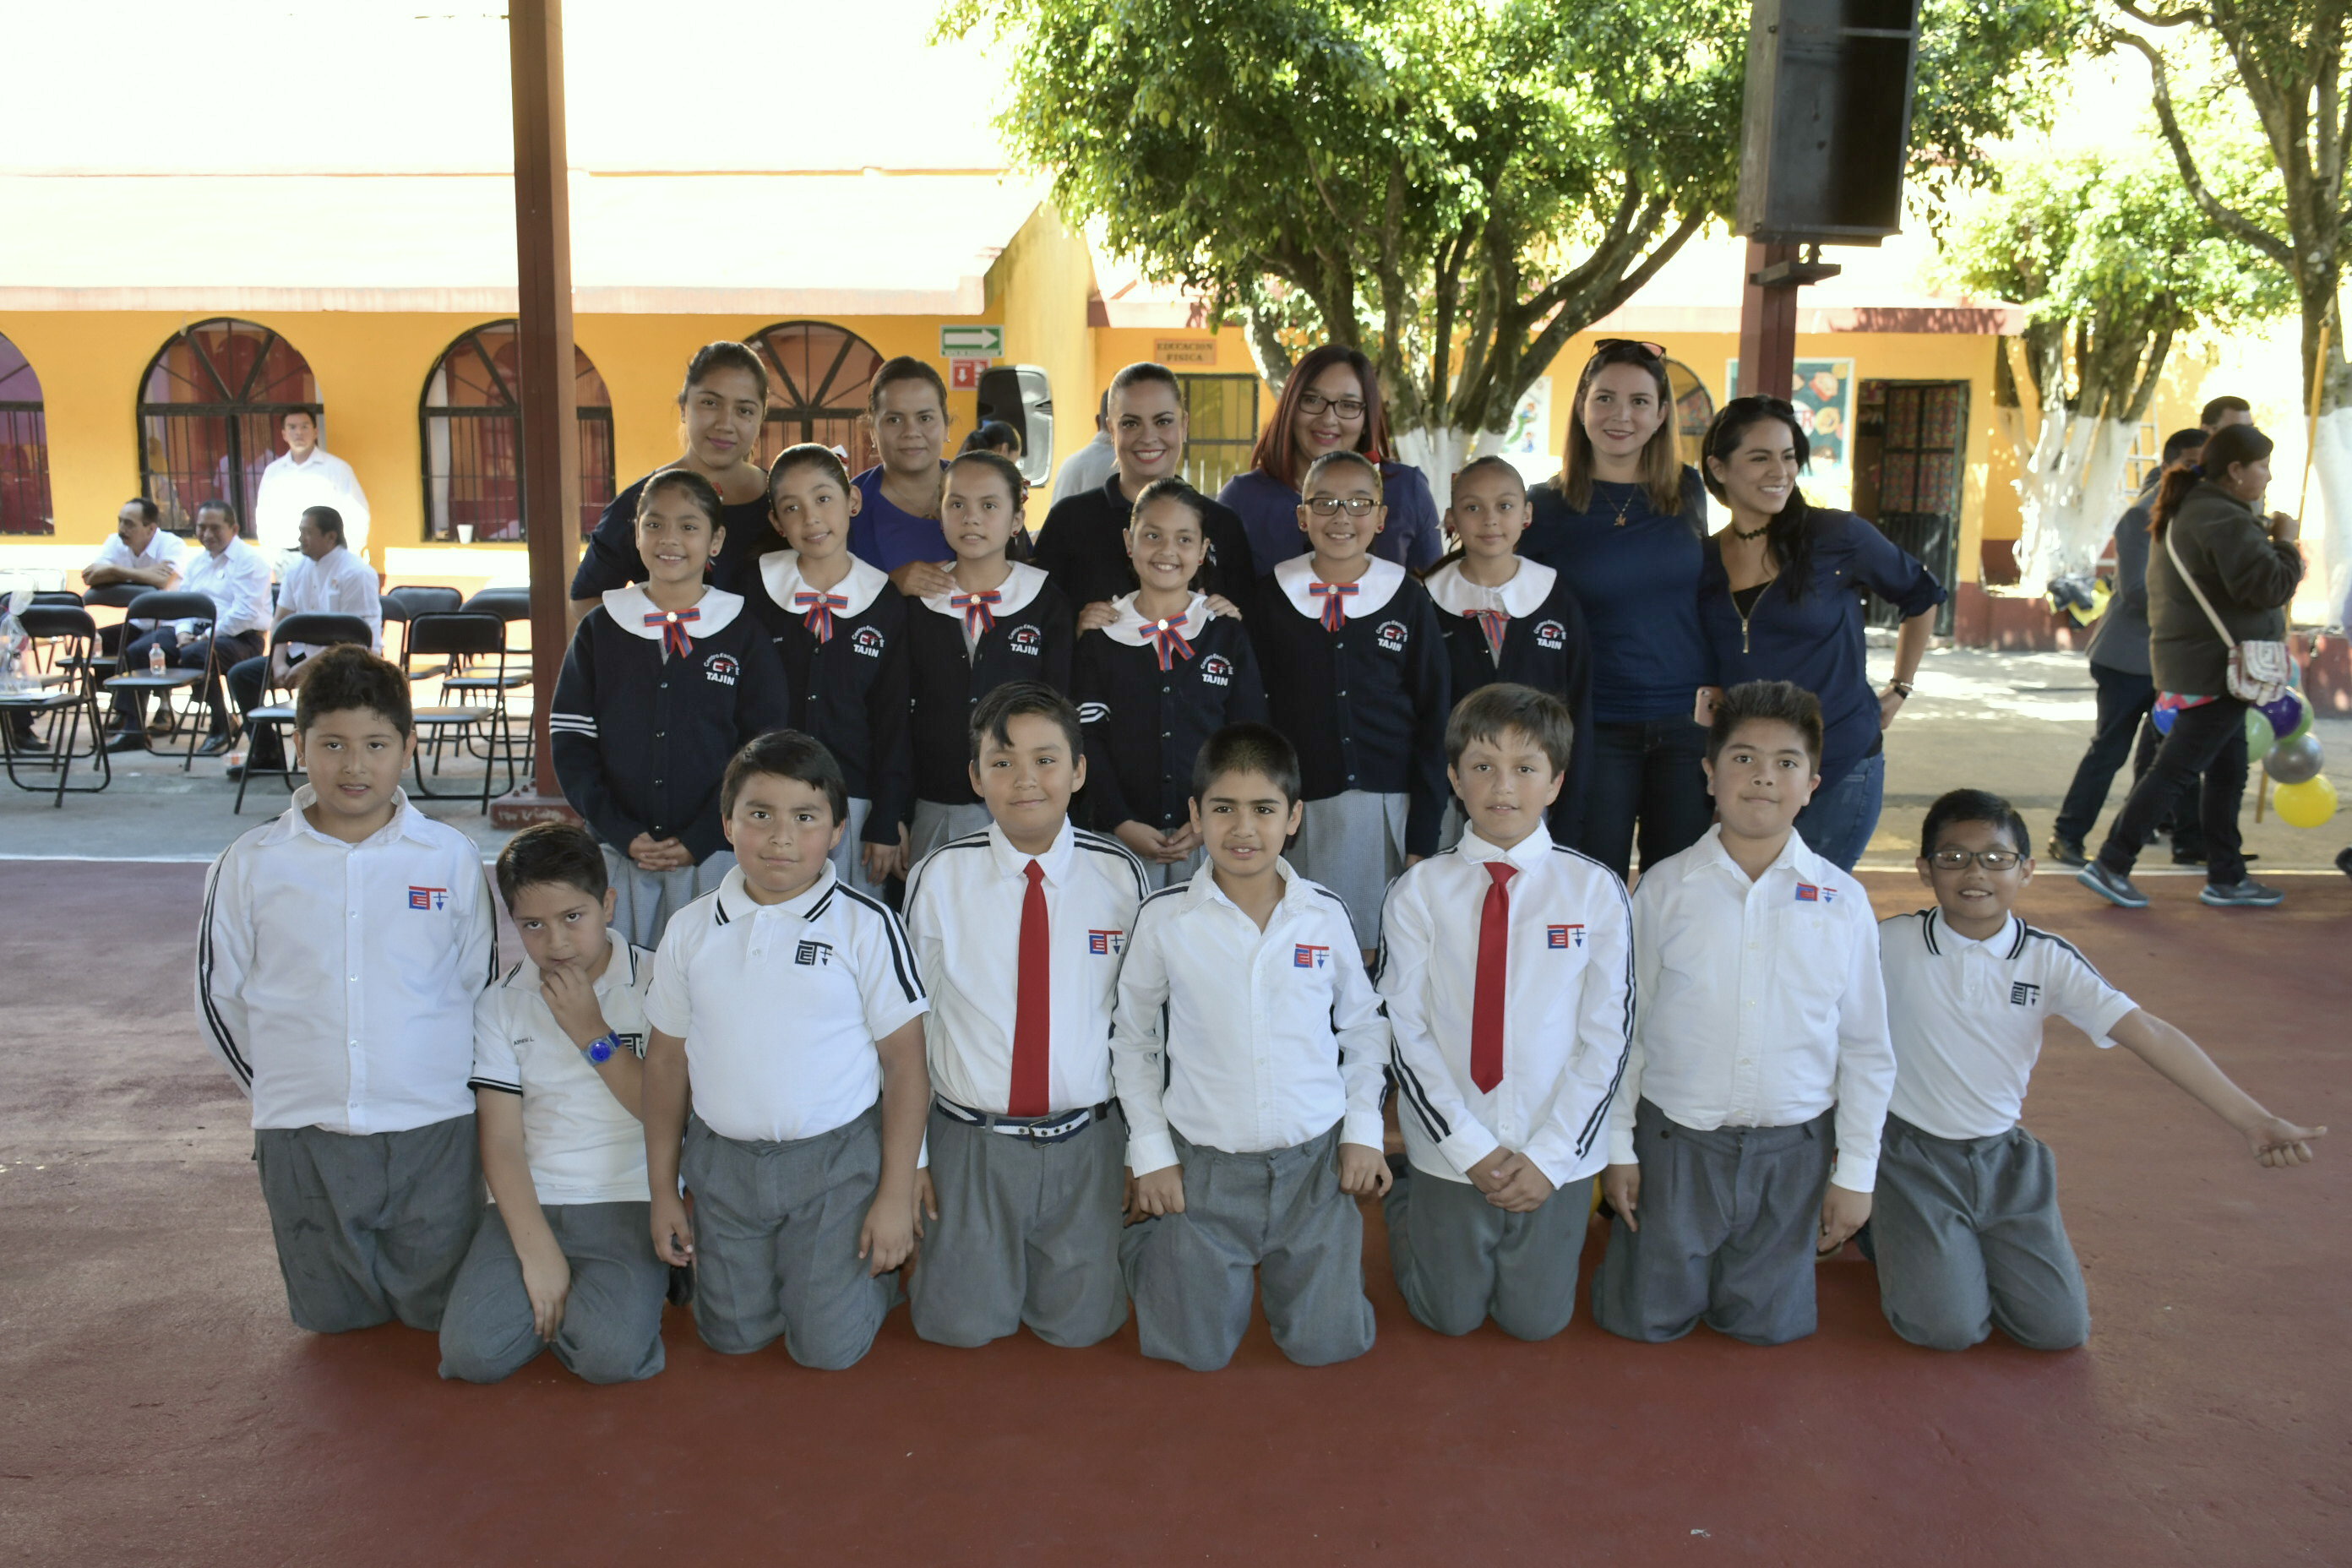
(2219, 577)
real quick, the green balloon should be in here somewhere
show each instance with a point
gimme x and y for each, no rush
(2302, 726)
(2259, 736)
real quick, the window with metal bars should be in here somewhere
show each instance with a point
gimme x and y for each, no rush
(24, 447)
(209, 408)
(818, 374)
(471, 416)
(1221, 414)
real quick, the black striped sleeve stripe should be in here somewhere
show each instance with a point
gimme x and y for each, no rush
(2062, 941)
(1416, 1096)
(1600, 1117)
(479, 1083)
(510, 973)
(1926, 919)
(915, 878)
(822, 904)
(213, 1019)
(1112, 846)
(1153, 897)
(901, 958)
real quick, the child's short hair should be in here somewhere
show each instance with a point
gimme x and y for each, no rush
(991, 717)
(786, 754)
(693, 486)
(1000, 465)
(1495, 463)
(808, 454)
(346, 677)
(1973, 805)
(1777, 701)
(905, 367)
(1258, 749)
(1490, 710)
(1320, 466)
(551, 852)
(1172, 487)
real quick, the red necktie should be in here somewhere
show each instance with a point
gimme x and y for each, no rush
(1494, 965)
(818, 609)
(1032, 1006)
(1335, 597)
(672, 623)
(1495, 624)
(1168, 641)
(977, 616)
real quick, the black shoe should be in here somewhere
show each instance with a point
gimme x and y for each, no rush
(216, 742)
(2343, 860)
(2068, 851)
(28, 742)
(127, 740)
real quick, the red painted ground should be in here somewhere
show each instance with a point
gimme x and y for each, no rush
(155, 1406)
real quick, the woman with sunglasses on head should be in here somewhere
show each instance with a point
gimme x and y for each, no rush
(1624, 523)
(1779, 596)
(1330, 403)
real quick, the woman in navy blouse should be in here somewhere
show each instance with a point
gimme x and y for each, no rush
(1331, 403)
(1780, 599)
(1624, 524)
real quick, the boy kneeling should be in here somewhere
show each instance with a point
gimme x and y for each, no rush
(1256, 1125)
(563, 1260)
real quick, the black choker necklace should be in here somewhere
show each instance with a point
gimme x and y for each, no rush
(1739, 533)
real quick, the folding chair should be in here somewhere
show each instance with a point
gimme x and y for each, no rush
(512, 607)
(115, 596)
(173, 604)
(457, 635)
(317, 630)
(64, 640)
(406, 603)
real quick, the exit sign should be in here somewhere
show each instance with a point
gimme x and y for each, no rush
(971, 343)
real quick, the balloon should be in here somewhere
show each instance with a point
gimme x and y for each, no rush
(2303, 725)
(2167, 710)
(2293, 761)
(2286, 711)
(2260, 738)
(2306, 804)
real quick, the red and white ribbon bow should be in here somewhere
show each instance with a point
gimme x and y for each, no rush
(1168, 641)
(817, 609)
(673, 626)
(1494, 623)
(977, 617)
(1335, 597)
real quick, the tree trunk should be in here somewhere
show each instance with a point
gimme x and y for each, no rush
(2066, 491)
(2327, 547)
(1439, 452)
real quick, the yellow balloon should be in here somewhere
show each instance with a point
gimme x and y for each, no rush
(2306, 804)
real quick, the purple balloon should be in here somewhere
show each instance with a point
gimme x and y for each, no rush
(2285, 713)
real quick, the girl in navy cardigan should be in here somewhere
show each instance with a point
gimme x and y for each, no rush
(1779, 598)
(1156, 683)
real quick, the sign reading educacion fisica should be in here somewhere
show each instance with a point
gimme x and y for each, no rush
(971, 343)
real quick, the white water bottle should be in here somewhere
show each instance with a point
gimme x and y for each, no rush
(155, 658)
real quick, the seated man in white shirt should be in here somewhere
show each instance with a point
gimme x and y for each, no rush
(1745, 1137)
(327, 580)
(305, 474)
(143, 555)
(238, 578)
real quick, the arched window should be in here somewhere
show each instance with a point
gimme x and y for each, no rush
(818, 374)
(24, 447)
(1694, 409)
(473, 439)
(209, 408)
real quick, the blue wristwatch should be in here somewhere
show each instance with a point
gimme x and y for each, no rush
(600, 1050)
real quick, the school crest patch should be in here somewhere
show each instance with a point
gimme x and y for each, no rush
(722, 669)
(1107, 944)
(1307, 956)
(1217, 670)
(428, 897)
(868, 641)
(1392, 636)
(1551, 634)
(1564, 936)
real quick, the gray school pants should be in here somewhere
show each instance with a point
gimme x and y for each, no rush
(849, 855)
(371, 1226)
(775, 1242)
(643, 902)
(1354, 844)
(1279, 1215)
(1027, 1233)
(1460, 1260)
(611, 1331)
(1968, 1240)
(1729, 1220)
(934, 823)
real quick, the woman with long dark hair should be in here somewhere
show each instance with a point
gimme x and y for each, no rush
(1330, 403)
(1624, 525)
(1779, 598)
(2247, 568)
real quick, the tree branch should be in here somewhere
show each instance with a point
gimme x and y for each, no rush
(2228, 218)
(2164, 18)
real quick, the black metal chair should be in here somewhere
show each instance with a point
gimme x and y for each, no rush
(458, 636)
(512, 607)
(159, 604)
(115, 596)
(66, 596)
(312, 628)
(64, 639)
(404, 605)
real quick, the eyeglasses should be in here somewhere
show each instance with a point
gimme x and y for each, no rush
(1655, 350)
(1960, 859)
(1345, 407)
(1331, 505)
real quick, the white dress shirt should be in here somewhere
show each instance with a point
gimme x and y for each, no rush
(164, 548)
(583, 1145)
(369, 1029)
(290, 488)
(963, 910)
(1758, 1004)
(238, 581)
(1966, 1017)
(1272, 1035)
(781, 1005)
(337, 583)
(1567, 1006)
(1087, 468)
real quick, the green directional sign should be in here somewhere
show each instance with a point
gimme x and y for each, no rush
(971, 343)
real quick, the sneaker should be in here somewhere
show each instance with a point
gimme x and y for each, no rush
(2068, 852)
(2246, 894)
(2117, 891)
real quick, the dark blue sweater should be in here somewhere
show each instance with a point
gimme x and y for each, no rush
(1269, 510)
(1638, 585)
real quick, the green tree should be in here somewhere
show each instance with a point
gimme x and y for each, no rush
(2113, 266)
(1457, 187)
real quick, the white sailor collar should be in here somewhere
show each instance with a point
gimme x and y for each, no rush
(779, 573)
(1374, 589)
(629, 607)
(1129, 628)
(1014, 593)
(1523, 595)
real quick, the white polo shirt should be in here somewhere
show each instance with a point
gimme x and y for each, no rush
(583, 1145)
(1968, 1017)
(336, 981)
(337, 583)
(1758, 1004)
(164, 548)
(780, 1004)
(1271, 1037)
(1567, 1006)
(963, 912)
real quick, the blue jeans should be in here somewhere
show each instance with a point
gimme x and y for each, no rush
(1648, 774)
(1836, 825)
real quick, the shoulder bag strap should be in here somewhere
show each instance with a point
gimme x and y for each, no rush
(2203, 603)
